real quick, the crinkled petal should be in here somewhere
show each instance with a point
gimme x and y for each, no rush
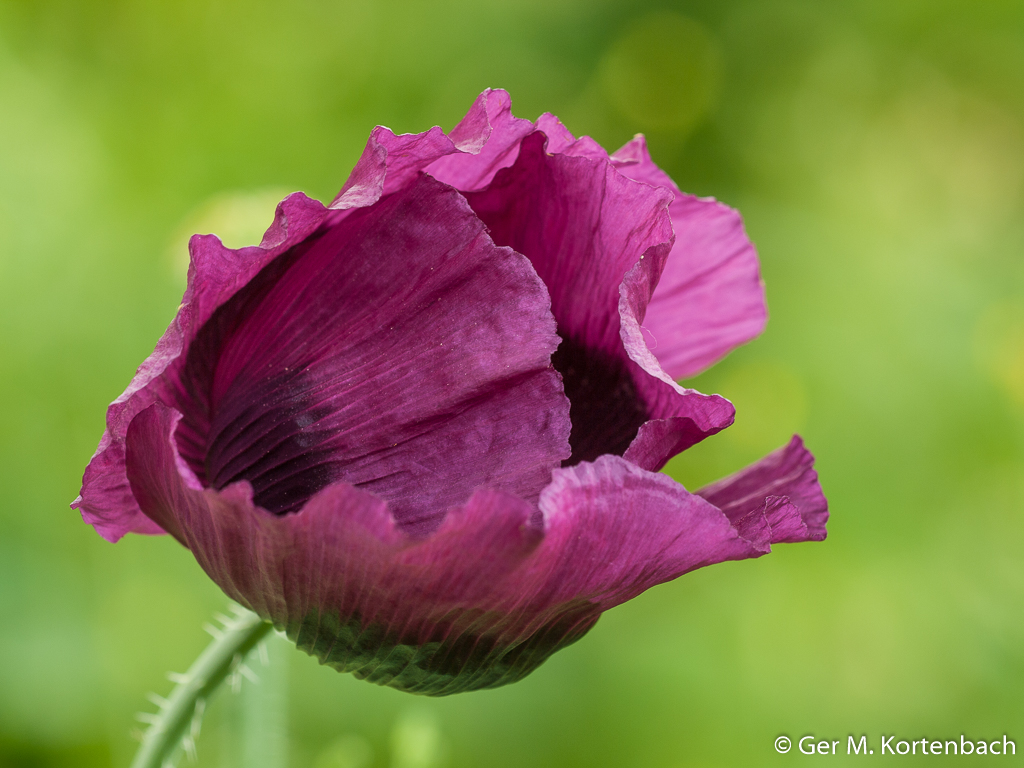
(215, 274)
(784, 486)
(343, 580)
(584, 226)
(679, 417)
(488, 137)
(350, 587)
(710, 298)
(485, 140)
(297, 426)
(561, 141)
(396, 343)
(390, 162)
(613, 530)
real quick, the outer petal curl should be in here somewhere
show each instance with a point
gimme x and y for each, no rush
(784, 487)
(215, 274)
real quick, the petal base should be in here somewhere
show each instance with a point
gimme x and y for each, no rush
(457, 658)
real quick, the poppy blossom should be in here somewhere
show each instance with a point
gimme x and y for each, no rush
(420, 428)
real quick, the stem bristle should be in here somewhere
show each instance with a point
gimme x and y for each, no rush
(179, 721)
(248, 674)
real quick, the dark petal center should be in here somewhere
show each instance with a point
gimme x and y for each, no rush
(264, 438)
(604, 405)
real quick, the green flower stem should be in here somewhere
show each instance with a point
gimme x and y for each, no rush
(177, 721)
(262, 711)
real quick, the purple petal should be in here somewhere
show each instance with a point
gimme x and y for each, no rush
(336, 417)
(485, 140)
(488, 139)
(350, 587)
(397, 342)
(215, 274)
(390, 162)
(784, 487)
(679, 418)
(613, 530)
(710, 298)
(584, 226)
(562, 142)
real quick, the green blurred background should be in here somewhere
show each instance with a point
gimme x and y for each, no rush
(876, 150)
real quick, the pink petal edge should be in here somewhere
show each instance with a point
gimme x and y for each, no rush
(710, 296)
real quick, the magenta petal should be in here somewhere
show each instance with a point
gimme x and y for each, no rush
(710, 297)
(613, 530)
(784, 486)
(584, 226)
(388, 163)
(488, 139)
(215, 274)
(562, 142)
(361, 427)
(396, 343)
(485, 140)
(679, 418)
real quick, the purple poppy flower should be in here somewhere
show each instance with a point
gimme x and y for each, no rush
(420, 428)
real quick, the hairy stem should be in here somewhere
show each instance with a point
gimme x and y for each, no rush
(177, 721)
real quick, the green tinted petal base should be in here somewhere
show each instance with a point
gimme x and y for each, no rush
(472, 653)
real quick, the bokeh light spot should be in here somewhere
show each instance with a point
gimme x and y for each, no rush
(349, 751)
(416, 740)
(663, 72)
(238, 218)
(999, 347)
